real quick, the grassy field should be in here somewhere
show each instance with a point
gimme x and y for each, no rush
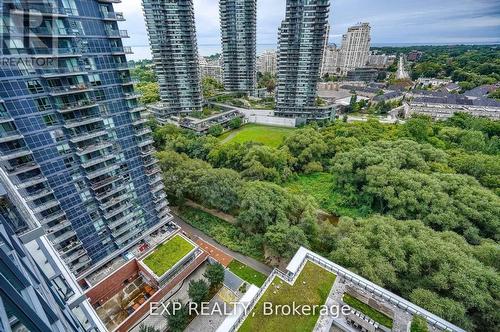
(310, 288)
(223, 232)
(271, 136)
(367, 310)
(321, 186)
(247, 273)
(167, 254)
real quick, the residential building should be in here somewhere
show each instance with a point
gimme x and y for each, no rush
(211, 69)
(267, 62)
(443, 106)
(362, 74)
(37, 291)
(377, 60)
(355, 47)
(172, 37)
(302, 275)
(238, 20)
(331, 60)
(414, 55)
(301, 42)
(73, 138)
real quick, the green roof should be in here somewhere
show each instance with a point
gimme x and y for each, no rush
(167, 254)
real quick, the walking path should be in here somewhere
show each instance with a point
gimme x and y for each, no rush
(255, 264)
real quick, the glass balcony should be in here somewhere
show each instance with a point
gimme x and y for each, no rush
(110, 214)
(102, 171)
(131, 95)
(5, 117)
(55, 52)
(139, 121)
(64, 236)
(155, 179)
(159, 186)
(11, 135)
(63, 71)
(80, 264)
(82, 121)
(145, 142)
(160, 206)
(31, 181)
(114, 201)
(61, 225)
(69, 89)
(104, 182)
(117, 33)
(122, 220)
(120, 231)
(93, 147)
(123, 239)
(118, 187)
(74, 256)
(53, 216)
(80, 137)
(110, 1)
(45, 206)
(159, 197)
(38, 194)
(121, 50)
(40, 9)
(142, 131)
(113, 16)
(95, 161)
(152, 171)
(18, 169)
(74, 106)
(66, 248)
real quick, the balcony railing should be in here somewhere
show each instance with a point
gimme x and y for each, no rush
(81, 121)
(95, 161)
(63, 71)
(31, 181)
(10, 135)
(14, 153)
(93, 147)
(83, 136)
(69, 89)
(123, 49)
(117, 33)
(44, 9)
(115, 16)
(102, 171)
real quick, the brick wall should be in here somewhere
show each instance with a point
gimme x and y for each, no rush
(112, 284)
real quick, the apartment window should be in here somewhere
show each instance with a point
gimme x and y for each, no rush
(49, 120)
(42, 104)
(34, 86)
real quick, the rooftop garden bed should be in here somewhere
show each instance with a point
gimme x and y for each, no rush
(167, 254)
(311, 287)
(367, 310)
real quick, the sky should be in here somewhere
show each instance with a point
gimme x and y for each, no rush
(392, 21)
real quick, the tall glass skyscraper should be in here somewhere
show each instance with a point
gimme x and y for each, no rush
(172, 37)
(238, 31)
(73, 140)
(301, 42)
(37, 291)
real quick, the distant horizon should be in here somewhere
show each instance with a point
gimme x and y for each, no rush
(203, 49)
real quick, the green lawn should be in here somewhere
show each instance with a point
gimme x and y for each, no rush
(223, 232)
(247, 273)
(367, 310)
(321, 186)
(167, 254)
(311, 288)
(267, 135)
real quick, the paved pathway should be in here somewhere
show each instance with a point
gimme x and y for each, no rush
(255, 264)
(214, 252)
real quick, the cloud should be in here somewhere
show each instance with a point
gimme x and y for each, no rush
(392, 21)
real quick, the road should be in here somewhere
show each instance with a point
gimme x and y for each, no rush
(255, 264)
(402, 73)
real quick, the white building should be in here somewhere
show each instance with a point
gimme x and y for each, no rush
(266, 62)
(441, 108)
(355, 47)
(211, 68)
(331, 60)
(380, 60)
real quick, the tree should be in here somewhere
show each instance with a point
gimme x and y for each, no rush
(215, 275)
(235, 123)
(419, 324)
(198, 290)
(150, 92)
(218, 188)
(284, 240)
(147, 328)
(216, 130)
(177, 319)
(306, 145)
(436, 270)
(267, 163)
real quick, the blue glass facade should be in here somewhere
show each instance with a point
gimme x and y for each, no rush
(72, 135)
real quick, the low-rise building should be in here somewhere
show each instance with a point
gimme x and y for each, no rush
(346, 292)
(362, 74)
(443, 107)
